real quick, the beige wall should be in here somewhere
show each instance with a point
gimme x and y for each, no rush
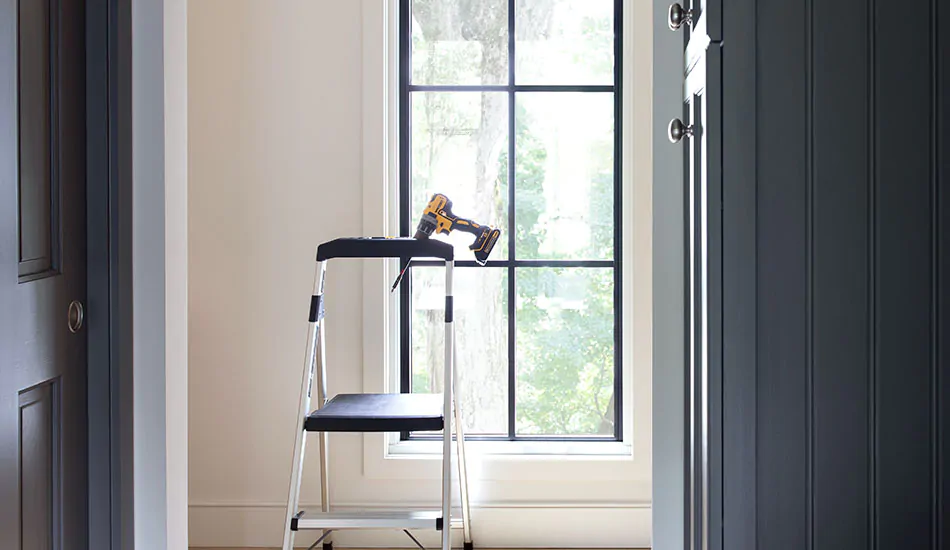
(274, 133)
(276, 165)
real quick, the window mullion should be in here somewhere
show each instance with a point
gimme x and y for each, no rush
(618, 218)
(511, 222)
(405, 155)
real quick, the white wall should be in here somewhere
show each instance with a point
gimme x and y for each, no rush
(275, 169)
(275, 142)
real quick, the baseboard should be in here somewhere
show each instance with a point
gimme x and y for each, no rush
(518, 526)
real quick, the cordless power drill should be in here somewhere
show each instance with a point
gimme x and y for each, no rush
(438, 218)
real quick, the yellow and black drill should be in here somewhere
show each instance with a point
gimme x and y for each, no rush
(438, 218)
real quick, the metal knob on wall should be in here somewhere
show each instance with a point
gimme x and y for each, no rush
(677, 130)
(75, 316)
(678, 16)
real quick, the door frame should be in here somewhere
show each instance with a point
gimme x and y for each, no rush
(109, 254)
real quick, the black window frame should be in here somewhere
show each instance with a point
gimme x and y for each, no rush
(407, 218)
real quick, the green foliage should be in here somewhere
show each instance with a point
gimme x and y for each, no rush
(597, 32)
(564, 316)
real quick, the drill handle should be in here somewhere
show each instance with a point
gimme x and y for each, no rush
(485, 238)
(467, 226)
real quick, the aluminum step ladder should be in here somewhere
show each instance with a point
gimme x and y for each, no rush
(376, 412)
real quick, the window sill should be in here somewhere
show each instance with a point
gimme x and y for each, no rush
(603, 464)
(516, 449)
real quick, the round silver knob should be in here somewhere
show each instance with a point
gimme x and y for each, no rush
(678, 16)
(677, 130)
(75, 316)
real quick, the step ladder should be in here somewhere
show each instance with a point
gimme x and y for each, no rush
(370, 412)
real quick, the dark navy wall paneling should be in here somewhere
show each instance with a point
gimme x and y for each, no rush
(941, 200)
(739, 280)
(902, 320)
(781, 276)
(836, 254)
(840, 255)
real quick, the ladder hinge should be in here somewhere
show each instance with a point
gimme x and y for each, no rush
(317, 308)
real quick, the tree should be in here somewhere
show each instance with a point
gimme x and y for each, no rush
(565, 357)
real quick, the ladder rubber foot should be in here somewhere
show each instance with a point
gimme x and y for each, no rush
(469, 546)
(327, 546)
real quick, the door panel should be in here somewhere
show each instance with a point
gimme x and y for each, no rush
(39, 424)
(35, 183)
(43, 426)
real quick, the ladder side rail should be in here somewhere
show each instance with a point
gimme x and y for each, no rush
(316, 322)
(462, 467)
(447, 409)
(324, 437)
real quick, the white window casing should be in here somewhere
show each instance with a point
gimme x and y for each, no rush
(615, 474)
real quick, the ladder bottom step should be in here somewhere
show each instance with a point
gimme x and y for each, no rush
(427, 519)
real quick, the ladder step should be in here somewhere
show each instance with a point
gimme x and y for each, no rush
(378, 412)
(427, 519)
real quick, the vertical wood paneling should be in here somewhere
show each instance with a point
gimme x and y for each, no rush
(809, 275)
(872, 274)
(902, 276)
(935, 241)
(712, 138)
(840, 283)
(781, 273)
(852, 225)
(739, 424)
(942, 250)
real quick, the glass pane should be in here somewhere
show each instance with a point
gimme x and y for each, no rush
(458, 143)
(481, 336)
(564, 185)
(564, 42)
(459, 42)
(564, 325)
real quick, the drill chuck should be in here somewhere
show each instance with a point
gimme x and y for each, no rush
(425, 229)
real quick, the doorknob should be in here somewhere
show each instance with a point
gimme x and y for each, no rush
(678, 16)
(677, 130)
(75, 316)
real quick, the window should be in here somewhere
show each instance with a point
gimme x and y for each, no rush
(512, 108)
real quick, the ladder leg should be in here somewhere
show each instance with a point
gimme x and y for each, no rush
(447, 485)
(447, 411)
(463, 471)
(300, 439)
(324, 436)
(293, 499)
(325, 480)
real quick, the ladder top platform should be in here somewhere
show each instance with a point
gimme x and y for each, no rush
(385, 247)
